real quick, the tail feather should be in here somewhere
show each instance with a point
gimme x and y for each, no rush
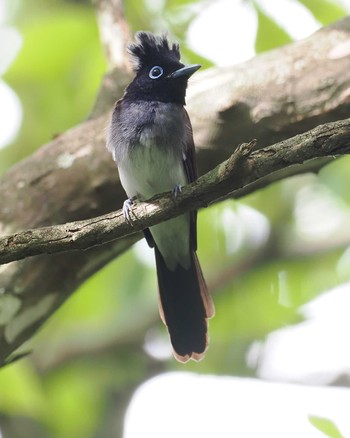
(185, 306)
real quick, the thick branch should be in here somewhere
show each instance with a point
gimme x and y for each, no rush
(243, 168)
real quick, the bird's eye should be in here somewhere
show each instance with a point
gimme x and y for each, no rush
(156, 72)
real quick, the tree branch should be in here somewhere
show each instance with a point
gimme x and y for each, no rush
(243, 168)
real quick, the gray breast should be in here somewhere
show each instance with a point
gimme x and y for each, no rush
(145, 123)
(147, 139)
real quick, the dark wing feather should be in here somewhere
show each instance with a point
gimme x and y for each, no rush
(191, 172)
(189, 150)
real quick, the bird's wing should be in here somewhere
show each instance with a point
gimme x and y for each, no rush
(189, 160)
(189, 150)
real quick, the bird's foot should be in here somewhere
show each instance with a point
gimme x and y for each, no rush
(176, 190)
(127, 207)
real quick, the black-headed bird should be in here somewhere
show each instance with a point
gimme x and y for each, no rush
(150, 137)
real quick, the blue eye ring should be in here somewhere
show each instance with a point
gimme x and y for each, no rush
(156, 72)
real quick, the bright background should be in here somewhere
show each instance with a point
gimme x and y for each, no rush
(278, 261)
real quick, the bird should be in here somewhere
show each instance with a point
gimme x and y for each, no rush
(151, 140)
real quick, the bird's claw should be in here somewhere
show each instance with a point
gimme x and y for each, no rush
(176, 190)
(127, 207)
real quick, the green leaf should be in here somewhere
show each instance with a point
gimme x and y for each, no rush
(325, 11)
(178, 3)
(21, 390)
(326, 426)
(269, 34)
(14, 358)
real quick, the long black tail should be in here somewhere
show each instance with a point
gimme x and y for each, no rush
(185, 306)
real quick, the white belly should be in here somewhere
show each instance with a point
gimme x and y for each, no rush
(151, 170)
(154, 170)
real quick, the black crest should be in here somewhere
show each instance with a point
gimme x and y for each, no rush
(150, 49)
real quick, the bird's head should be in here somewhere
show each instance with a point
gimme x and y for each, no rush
(160, 75)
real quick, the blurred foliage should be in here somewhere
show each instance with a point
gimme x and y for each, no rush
(326, 426)
(325, 11)
(56, 73)
(90, 357)
(268, 32)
